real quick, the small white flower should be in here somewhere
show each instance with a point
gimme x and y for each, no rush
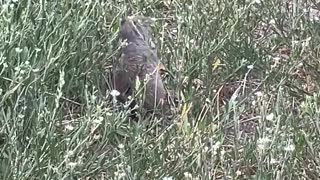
(272, 21)
(21, 116)
(98, 121)
(187, 175)
(223, 152)
(128, 168)
(17, 68)
(205, 149)
(69, 127)
(263, 143)
(270, 117)
(36, 70)
(250, 66)
(295, 42)
(120, 146)
(124, 43)
(239, 173)
(277, 59)
(257, 1)
(254, 103)
(18, 50)
(259, 94)
(114, 93)
(72, 165)
(93, 98)
(300, 65)
(273, 161)
(289, 148)
(216, 145)
(122, 175)
(70, 153)
(5, 7)
(208, 100)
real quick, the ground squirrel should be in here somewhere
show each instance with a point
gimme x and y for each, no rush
(139, 60)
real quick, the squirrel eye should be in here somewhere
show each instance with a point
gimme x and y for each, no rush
(123, 20)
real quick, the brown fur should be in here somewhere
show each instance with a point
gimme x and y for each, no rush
(139, 59)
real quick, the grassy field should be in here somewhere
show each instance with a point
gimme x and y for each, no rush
(246, 74)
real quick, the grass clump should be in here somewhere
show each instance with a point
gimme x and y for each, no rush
(246, 73)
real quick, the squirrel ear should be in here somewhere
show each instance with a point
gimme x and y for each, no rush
(124, 19)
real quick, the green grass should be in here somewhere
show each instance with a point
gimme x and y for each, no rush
(247, 75)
